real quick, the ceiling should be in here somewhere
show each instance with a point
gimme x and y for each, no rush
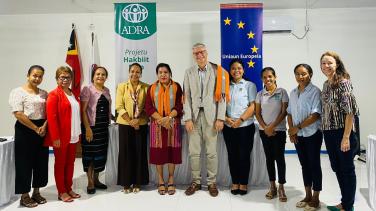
(13, 7)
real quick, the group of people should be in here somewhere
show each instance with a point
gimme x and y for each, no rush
(212, 100)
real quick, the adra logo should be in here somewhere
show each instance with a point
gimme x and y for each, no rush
(135, 21)
(135, 13)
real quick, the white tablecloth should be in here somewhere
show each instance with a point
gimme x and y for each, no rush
(371, 170)
(7, 170)
(258, 173)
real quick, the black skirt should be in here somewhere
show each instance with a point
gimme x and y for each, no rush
(95, 152)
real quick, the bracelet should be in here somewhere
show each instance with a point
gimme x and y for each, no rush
(241, 119)
(299, 127)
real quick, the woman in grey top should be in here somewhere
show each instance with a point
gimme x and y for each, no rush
(271, 105)
(304, 130)
(339, 108)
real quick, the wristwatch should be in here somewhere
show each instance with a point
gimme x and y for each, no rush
(299, 127)
(241, 119)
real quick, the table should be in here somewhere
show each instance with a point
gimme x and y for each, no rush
(258, 174)
(7, 170)
(371, 170)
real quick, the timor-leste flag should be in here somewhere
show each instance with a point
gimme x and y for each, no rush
(73, 61)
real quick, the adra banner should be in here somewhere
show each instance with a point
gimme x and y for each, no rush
(135, 39)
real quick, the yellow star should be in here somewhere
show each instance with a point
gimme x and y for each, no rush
(254, 49)
(241, 25)
(227, 21)
(251, 35)
(251, 63)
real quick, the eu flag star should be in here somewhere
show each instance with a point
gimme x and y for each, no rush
(241, 25)
(254, 49)
(251, 63)
(251, 35)
(227, 21)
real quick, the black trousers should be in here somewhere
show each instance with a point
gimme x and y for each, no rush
(308, 149)
(274, 148)
(31, 158)
(342, 164)
(133, 166)
(239, 144)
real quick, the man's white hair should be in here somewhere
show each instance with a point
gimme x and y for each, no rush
(198, 45)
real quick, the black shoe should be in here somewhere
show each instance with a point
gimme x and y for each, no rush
(235, 192)
(100, 186)
(90, 190)
(242, 192)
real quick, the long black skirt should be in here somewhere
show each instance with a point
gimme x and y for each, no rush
(133, 160)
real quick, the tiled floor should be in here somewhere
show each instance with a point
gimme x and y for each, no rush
(113, 199)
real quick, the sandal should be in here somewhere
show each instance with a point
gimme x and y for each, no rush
(303, 202)
(136, 189)
(171, 189)
(28, 202)
(271, 194)
(68, 198)
(127, 190)
(312, 206)
(38, 198)
(162, 189)
(74, 195)
(282, 195)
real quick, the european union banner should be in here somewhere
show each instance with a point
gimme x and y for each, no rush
(241, 38)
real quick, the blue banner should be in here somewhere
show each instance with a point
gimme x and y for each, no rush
(241, 38)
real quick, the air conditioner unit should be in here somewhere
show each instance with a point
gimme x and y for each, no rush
(278, 24)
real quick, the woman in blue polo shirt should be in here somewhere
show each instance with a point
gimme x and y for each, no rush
(239, 129)
(271, 104)
(303, 116)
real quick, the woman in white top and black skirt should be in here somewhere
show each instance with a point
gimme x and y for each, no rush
(31, 157)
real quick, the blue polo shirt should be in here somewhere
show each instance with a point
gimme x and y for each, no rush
(242, 94)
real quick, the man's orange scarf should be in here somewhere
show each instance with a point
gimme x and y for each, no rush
(222, 86)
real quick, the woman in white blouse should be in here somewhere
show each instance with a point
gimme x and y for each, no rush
(31, 157)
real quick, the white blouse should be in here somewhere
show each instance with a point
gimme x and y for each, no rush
(75, 120)
(32, 105)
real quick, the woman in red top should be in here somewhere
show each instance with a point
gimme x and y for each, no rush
(63, 116)
(163, 104)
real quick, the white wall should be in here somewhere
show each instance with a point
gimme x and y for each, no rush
(42, 39)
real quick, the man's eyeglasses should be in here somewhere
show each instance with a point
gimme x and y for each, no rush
(199, 52)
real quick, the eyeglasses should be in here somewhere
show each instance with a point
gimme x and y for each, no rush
(199, 52)
(62, 78)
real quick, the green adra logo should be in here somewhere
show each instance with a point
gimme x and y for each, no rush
(135, 21)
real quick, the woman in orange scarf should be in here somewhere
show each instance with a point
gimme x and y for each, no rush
(163, 104)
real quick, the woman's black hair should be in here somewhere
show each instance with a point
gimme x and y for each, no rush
(307, 67)
(271, 70)
(38, 67)
(268, 69)
(163, 65)
(233, 61)
(135, 64)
